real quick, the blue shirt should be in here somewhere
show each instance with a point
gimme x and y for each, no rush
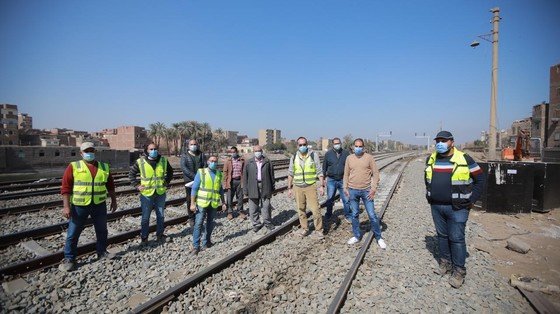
(196, 183)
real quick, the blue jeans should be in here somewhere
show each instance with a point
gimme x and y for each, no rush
(210, 214)
(450, 228)
(79, 214)
(355, 196)
(332, 186)
(156, 202)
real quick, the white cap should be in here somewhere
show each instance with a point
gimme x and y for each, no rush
(86, 145)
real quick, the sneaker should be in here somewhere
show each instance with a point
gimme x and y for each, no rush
(270, 227)
(382, 243)
(353, 240)
(242, 215)
(317, 235)
(194, 251)
(257, 228)
(229, 216)
(67, 265)
(457, 278)
(444, 268)
(106, 255)
(301, 232)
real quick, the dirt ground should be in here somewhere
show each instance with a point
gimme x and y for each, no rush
(541, 265)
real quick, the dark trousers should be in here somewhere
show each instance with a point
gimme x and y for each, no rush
(236, 191)
(190, 214)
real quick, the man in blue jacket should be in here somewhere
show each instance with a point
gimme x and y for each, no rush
(333, 171)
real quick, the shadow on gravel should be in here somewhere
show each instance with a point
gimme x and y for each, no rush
(431, 245)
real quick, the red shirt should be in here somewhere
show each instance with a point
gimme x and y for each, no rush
(68, 179)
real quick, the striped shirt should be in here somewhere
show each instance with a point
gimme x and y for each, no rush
(237, 164)
(441, 179)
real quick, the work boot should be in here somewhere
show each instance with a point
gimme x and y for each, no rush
(229, 216)
(444, 268)
(106, 255)
(194, 251)
(301, 232)
(457, 278)
(161, 238)
(67, 265)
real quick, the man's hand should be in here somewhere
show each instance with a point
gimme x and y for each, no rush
(140, 188)
(193, 207)
(322, 190)
(66, 212)
(113, 205)
(346, 193)
(371, 194)
(289, 192)
(224, 207)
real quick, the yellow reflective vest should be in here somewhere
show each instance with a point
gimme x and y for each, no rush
(461, 181)
(306, 174)
(209, 191)
(153, 180)
(87, 188)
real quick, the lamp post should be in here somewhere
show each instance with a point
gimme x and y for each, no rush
(494, 88)
(377, 139)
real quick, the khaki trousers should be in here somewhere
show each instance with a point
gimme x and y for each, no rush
(308, 196)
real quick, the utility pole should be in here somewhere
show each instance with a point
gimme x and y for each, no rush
(494, 91)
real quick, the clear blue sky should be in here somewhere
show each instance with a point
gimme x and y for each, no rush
(312, 68)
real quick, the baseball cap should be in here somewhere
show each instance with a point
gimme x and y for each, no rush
(86, 145)
(444, 134)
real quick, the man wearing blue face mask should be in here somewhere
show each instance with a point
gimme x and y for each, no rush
(155, 174)
(333, 170)
(207, 195)
(454, 182)
(192, 159)
(85, 186)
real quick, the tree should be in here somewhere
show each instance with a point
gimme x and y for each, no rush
(171, 135)
(156, 131)
(274, 147)
(348, 142)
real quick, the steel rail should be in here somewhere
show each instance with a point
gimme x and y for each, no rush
(341, 294)
(156, 304)
(13, 238)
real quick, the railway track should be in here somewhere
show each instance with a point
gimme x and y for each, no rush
(164, 301)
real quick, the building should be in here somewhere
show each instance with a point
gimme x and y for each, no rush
(269, 136)
(126, 137)
(554, 108)
(9, 134)
(25, 121)
(325, 143)
(539, 123)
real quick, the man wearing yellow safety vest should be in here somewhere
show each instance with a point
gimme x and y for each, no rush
(303, 173)
(155, 174)
(85, 186)
(454, 182)
(207, 195)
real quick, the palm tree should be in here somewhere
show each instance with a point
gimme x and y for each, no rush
(219, 140)
(170, 137)
(156, 131)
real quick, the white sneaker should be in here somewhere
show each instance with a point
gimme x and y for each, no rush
(353, 240)
(382, 243)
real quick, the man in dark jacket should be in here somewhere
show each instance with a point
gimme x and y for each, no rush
(258, 185)
(333, 170)
(192, 159)
(454, 182)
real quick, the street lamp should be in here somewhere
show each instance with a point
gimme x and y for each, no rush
(494, 88)
(377, 139)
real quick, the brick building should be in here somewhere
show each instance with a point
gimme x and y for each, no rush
(554, 108)
(9, 134)
(126, 137)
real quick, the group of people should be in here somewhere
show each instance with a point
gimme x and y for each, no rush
(453, 181)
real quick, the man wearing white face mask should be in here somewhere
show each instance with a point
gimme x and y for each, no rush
(155, 174)
(192, 159)
(258, 185)
(85, 186)
(333, 170)
(454, 182)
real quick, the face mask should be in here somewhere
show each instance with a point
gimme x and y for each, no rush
(303, 149)
(193, 148)
(336, 146)
(153, 153)
(88, 156)
(235, 155)
(212, 165)
(258, 155)
(358, 150)
(442, 147)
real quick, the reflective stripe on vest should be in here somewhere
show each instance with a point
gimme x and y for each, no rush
(307, 174)
(209, 191)
(461, 181)
(152, 180)
(87, 188)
